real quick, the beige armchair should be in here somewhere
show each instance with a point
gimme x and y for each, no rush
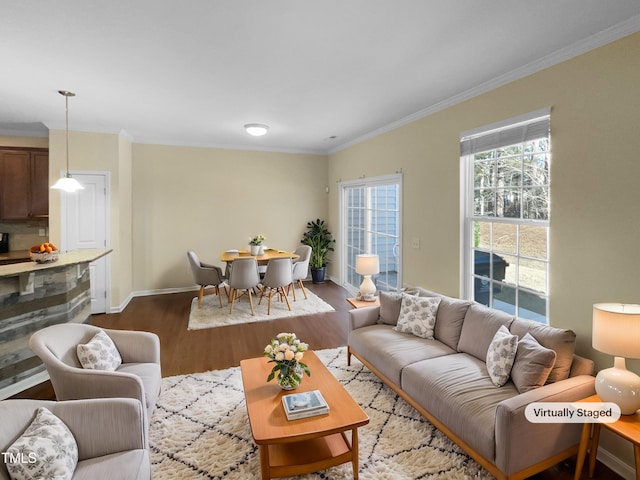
(138, 377)
(110, 434)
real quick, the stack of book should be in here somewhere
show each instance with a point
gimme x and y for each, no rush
(302, 405)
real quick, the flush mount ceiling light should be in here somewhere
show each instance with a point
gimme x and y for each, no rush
(67, 183)
(256, 129)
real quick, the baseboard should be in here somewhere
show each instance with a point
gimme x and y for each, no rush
(23, 385)
(146, 293)
(626, 471)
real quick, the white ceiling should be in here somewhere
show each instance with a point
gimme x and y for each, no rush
(194, 72)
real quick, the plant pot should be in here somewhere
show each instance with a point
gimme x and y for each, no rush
(317, 274)
(254, 249)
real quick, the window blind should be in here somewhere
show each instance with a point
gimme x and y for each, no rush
(496, 137)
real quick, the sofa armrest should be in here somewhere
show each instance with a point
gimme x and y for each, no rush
(515, 434)
(103, 426)
(581, 366)
(73, 383)
(135, 346)
(363, 317)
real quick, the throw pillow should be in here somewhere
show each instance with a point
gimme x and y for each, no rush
(390, 303)
(46, 449)
(418, 315)
(501, 355)
(532, 365)
(100, 353)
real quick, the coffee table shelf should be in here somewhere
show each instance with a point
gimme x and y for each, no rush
(296, 447)
(289, 459)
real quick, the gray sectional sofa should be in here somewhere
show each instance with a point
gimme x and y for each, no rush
(443, 373)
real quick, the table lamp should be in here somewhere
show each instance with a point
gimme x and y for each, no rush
(616, 331)
(367, 265)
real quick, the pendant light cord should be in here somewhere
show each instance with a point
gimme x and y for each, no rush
(66, 96)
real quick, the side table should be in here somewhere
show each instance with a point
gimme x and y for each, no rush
(627, 427)
(355, 303)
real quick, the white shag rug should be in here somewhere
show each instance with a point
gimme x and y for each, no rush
(210, 314)
(200, 430)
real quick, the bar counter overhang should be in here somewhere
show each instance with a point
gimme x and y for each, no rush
(33, 296)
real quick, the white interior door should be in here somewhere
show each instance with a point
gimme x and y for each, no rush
(85, 226)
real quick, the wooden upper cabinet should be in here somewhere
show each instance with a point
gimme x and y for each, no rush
(24, 179)
(40, 184)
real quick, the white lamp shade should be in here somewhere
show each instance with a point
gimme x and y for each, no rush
(367, 264)
(616, 329)
(68, 184)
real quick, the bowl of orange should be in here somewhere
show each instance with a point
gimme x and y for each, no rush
(44, 253)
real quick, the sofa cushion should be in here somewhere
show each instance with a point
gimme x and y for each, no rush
(151, 377)
(130, 465)
(532, 365)
(458, 391)
(478, 329)
(100, 353)
(418, 315)
(400, 349)
(561, 341)
(47, 447)
(389, 307)
(501, 355)
(451, 312)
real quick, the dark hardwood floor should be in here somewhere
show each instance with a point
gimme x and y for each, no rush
(184, 351)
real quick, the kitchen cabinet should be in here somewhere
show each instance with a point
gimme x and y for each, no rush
(24, 184)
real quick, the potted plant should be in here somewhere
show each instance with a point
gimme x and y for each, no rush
(319, 238)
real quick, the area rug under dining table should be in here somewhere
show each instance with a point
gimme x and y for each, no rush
(210, 314)
(200, 429)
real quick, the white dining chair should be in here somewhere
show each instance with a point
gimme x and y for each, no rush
(244, 277)
(276, 278)
(300, 269)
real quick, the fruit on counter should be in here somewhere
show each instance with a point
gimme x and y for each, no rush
(43, 248)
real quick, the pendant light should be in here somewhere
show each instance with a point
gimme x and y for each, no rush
(67, 183)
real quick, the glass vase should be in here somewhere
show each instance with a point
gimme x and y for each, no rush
(287, 377)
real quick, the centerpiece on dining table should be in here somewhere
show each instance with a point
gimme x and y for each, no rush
(255, 244)
(287, 351)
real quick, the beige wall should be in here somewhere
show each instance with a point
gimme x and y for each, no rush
(595, 169)
(99, 152)
(209, 200)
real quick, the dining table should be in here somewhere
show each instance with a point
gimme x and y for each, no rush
(229, 256)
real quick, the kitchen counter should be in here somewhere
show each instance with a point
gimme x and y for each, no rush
(34, 296)
(15, 256)
(65, 259)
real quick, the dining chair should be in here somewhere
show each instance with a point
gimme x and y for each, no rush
(244, 277)
(276, 278)
(205, 274)
(300, 268)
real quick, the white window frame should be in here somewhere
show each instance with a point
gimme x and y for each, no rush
(486, 137)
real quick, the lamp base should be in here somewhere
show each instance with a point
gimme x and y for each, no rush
(367, 287)
(620, 386)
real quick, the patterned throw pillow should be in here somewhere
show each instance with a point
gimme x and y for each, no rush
(100, 353)
(46, 449)
(501, 355)
(418, 315)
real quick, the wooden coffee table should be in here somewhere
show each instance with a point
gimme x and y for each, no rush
(307, 445)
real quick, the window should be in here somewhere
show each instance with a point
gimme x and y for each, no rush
(506, 175)
(370, 222)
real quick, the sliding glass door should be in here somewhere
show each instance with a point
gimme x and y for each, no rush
(370, 223)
